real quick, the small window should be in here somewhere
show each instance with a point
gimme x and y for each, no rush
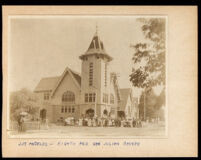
(94, 97)
(90, 97)
(86, 97)
(62, 109)
(46, 95)
(66, 109)
(73, 109)
(105, 98)
(90, 74)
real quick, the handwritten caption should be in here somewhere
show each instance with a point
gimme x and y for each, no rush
(80, 143)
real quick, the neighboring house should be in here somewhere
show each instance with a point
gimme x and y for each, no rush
(128, 104)
(136, 107)
(93, 92)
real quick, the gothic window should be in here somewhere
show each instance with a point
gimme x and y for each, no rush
(68, 97)
(105, 98)
(90, 74)
(111, 98)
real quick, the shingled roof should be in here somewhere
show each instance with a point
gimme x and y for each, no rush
(96, 47)
(49, 83)
(77, 76)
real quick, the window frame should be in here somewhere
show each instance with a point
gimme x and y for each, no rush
(66, 109)
(46, 96)
(91, 68)
(68, 96)
(73, 109)
(62, 109)
(105, 98)
(86, 97)
(90, 97)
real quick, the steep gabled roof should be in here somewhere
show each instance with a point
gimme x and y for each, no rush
(46, 84)
(51, 83)
(114, 79)
(75, 76)
(96, 47)
(125, 93)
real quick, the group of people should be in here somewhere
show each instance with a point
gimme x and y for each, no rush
(104, 122)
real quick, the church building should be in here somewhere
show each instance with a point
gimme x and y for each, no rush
(93, 93)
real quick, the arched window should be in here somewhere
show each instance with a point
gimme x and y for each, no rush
(111, 98)
(68, 97)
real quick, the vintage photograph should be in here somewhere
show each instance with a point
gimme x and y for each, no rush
(87, 76)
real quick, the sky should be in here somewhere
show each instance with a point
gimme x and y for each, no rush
(43, 46)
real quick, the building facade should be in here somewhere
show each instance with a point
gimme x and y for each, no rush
(93, 93)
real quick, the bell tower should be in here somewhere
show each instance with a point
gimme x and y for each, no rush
(95, 72)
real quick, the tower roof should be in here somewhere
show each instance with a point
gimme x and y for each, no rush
(96, 47)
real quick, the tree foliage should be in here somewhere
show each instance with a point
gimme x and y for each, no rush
(149, 57)
(23, 100)
(153, 104)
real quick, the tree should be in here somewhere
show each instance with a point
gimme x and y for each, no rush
(150, 99)
(23, 100)
(149, 57)
(153, 104)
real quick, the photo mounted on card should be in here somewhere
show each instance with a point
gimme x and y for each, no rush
(87, 76)
(78, 74)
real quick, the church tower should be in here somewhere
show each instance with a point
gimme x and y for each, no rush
(95, 73)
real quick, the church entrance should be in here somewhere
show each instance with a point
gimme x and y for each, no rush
(105, 113)
(90, 113)
(43, 113)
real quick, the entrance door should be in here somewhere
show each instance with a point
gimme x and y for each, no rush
(90, 113)
(43, 114)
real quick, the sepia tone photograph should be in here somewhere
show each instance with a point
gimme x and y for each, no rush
(87, 76)
(99, 81)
